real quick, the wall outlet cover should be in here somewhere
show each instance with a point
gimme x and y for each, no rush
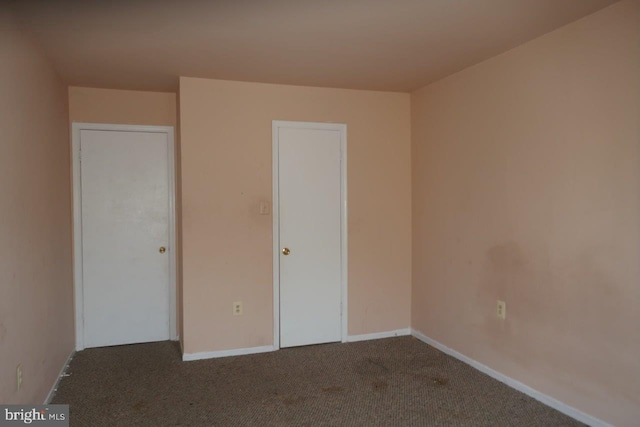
(237, 308)
(502, 310)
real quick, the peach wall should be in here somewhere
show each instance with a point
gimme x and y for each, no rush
(36, 288)
(125, 107)
(526, 188)
(226, 172)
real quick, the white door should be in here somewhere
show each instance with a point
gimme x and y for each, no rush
(310, 240)
(124, 196)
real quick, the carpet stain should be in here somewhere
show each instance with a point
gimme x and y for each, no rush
(371, 366)
(139, 405)
(379, 385)
(291, 399)
(457, 415)
(333, 389)
(421, 364)
(440, 381)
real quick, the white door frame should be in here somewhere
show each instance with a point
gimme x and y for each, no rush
(77, 220)
(342, 128)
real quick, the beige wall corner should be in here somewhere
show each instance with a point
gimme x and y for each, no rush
(36, 281)
(226, 172)
(526, 188)
(179, 280)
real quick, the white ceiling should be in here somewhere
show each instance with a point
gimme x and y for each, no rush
(396, 45)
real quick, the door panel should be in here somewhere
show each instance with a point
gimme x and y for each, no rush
(310, 226)
(125, 221)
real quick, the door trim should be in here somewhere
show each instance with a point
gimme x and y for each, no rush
(76, 127)
(342, 128)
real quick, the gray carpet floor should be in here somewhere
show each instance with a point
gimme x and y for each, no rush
(388, 382)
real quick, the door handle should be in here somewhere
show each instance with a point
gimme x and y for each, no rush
(162, 249)
(286, 251)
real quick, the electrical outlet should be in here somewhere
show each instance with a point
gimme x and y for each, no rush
(502, 310)
(19, 377)
(237, 308)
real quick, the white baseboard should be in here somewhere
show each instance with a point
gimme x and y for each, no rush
(547, 400)
(186, 357)
(62, 373)
(379, 335)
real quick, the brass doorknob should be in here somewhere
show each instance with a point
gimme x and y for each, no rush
(162, 249)
(286, 251)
